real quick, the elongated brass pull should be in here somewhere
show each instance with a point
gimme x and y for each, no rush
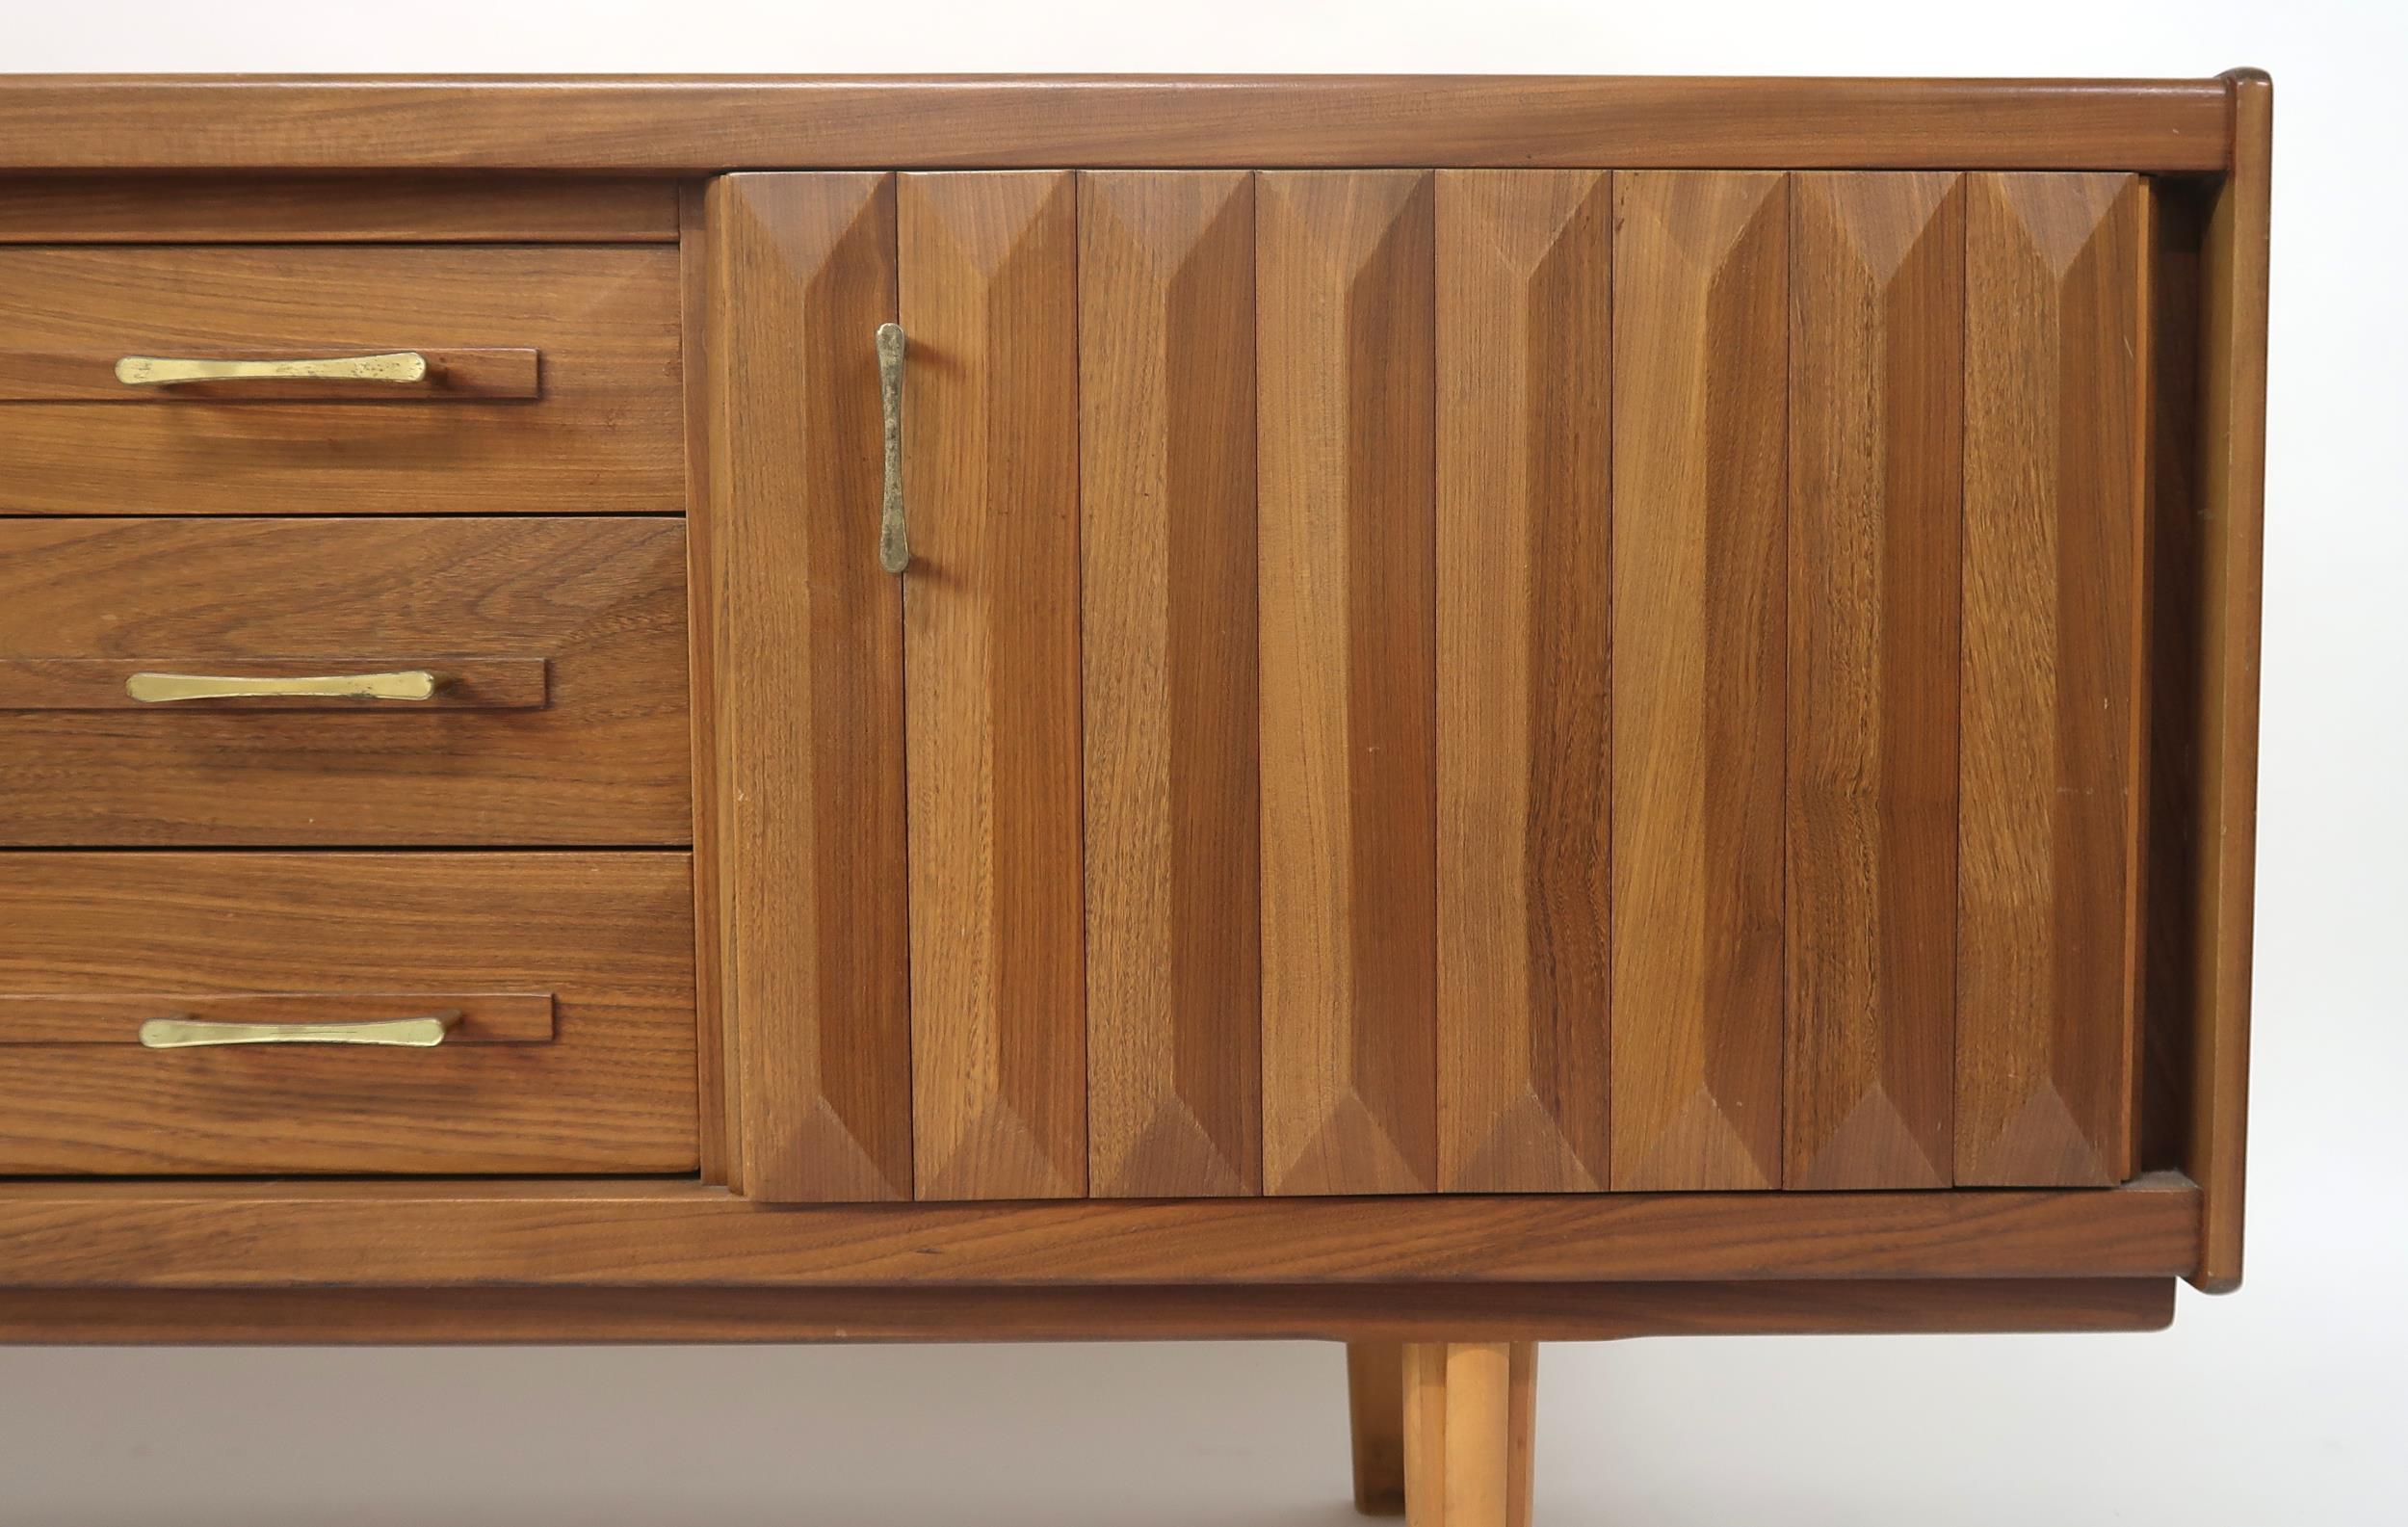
(166, 371)
(181, 1033)
(153, 688)
(894, 546)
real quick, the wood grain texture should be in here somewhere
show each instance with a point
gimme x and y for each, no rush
(2232, 509)
(1525, 827)
(1700, 275)
(493, 373)
(1466, 1465)
(1168, 646)
(346, 209)
(598, 757)
(604, 436)
(713, 892)
(233, 1235)
(102, 683)
(837, 123)
(610, 934)
(810, 702)
(989, 274)
(1345, 293)
(2048, 795)
(484, 1017)
(1382, 1315)
(1375, 1425)
(1876, 404)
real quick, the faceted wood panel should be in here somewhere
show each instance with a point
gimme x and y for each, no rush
(1344, 351)
(989, 286)
(1876, 396)
(810, 721)
(1700, 277)
(2048, 813)
(1523, 826)
(1166, 536)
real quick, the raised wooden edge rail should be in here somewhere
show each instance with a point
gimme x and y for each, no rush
(703, 124)
(638, 1233)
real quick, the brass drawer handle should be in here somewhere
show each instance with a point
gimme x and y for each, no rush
(185, 1033)
(401, 366)
(894, 547)
(156, 688)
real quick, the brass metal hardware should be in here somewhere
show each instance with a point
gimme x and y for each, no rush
(410, 684)
(184, 1032)
(166, 371)
(894, 547)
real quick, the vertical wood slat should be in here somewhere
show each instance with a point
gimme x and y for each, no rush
(809, 717)
(2049, 808)
(1700, 273)
(990, 297)
(1167, 596)
(714, 1055)
(1346, 297)
(1877, 376)
(1524, 827)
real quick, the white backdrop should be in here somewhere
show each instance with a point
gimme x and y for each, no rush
(2287, 1403)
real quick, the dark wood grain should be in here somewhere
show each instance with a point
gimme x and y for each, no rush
(1169, 696)
(603, 437)
(611, 935)
(1346, 288)
(809, 712)
(968, 122)
(346, 209)
(567, 723)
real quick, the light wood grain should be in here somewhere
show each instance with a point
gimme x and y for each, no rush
(809, 710)
(1700, 274)
(838, 123)
(566, 720)
(604, 435)
(1375, 1425)
(991, 660)
(1876, 404)
(80, 1017)
(1168, 602)
(351, 209)
(1468, 1410)
(611, 935)
(1525, 830)
(1345, 294)
(714, 1043)
(2048, 795)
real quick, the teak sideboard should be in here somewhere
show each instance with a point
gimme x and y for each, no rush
(1434, 712)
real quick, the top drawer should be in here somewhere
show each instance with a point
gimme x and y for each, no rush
(552, 380)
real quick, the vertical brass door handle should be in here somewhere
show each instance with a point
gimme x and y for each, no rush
(181, 1033)
(894, 545)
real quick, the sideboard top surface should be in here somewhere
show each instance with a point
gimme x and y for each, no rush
(702, 124)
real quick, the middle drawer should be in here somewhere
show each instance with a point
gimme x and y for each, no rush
(531, 676)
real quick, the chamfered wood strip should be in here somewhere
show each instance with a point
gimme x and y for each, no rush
(331, 209)
(99, 683)
(610, 934)
(638, 123)
(1700, 275)
(1382, 1315)
(29, 1017)
(2048, 791)
(1347, 367)
(1876, 405)
(604, 436)
(2232, 482)
(1375, 1425)
(590, 610)
(810, 717)
(1523, 762)
(990, 303)
(420, 1234)
(1166, 596)
(715, 1071)
(453, 375)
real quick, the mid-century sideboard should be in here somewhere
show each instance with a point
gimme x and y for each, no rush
(1433, 712)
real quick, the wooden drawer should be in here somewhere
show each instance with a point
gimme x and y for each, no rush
(552, 382)
(559, 645)
(573, 974)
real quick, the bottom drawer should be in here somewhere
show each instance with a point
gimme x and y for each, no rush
(562, 986)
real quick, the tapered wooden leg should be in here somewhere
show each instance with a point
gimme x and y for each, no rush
(1468, 1411)
(1375, 1407)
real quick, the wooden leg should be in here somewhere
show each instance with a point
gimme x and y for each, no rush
(1468, 1411)
(1376, 1407)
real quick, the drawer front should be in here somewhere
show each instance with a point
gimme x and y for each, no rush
(571, 976)
(551, 381)
(554, 651)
